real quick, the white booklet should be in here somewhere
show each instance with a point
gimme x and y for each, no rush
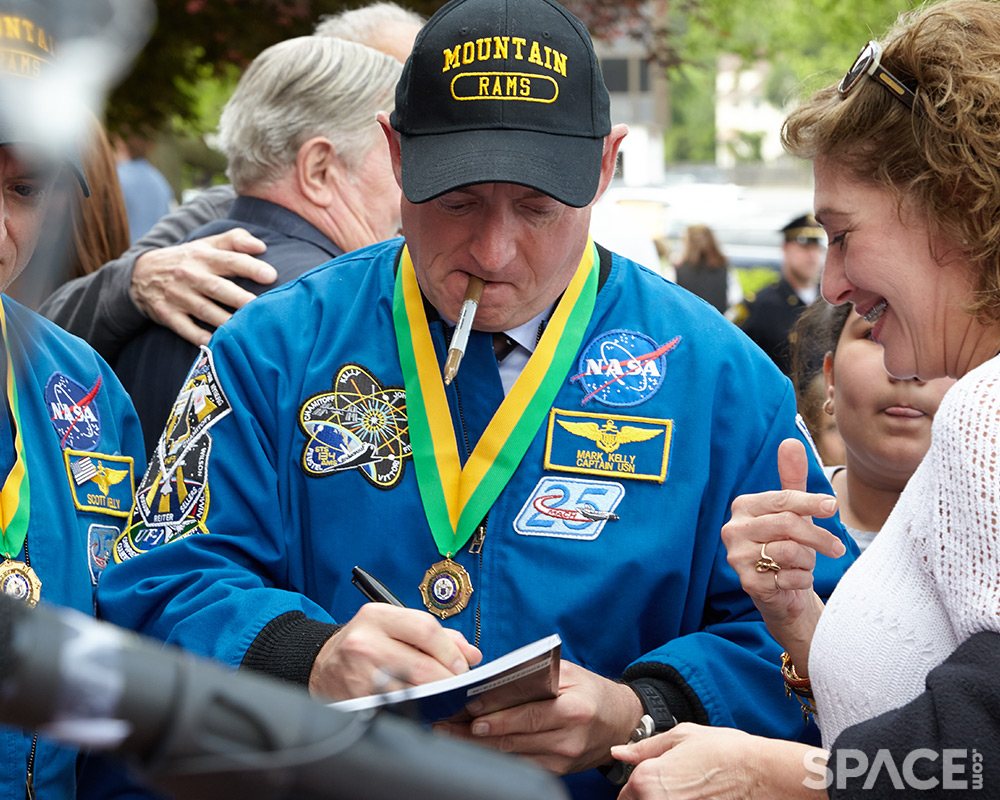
(524, 675)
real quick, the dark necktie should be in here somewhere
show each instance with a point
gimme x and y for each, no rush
(478, 390)
(503, 346)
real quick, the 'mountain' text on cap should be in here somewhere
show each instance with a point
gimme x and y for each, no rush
(502, 91)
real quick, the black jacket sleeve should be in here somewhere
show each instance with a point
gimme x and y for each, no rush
(287, 647)
(942, 745)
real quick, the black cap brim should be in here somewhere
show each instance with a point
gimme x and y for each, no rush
(567, 168)
(11, 133)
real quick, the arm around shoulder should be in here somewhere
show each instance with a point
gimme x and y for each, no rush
(100, 307)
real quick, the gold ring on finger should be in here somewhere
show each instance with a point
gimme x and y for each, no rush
(765, 562)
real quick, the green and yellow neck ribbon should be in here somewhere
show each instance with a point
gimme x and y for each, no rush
(15, 497)
(456, 498)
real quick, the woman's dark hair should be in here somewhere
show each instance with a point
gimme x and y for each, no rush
(701, 248)
(814, 334)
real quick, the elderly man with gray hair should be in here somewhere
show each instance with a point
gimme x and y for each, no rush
(313, 180)
(384, 25)
(173, 280)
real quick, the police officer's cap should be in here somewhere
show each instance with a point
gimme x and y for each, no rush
(804, 230)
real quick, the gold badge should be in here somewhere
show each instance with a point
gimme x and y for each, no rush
(19, 581)
(446, 588)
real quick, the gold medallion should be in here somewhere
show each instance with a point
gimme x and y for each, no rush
(446, 588)
(19, 581)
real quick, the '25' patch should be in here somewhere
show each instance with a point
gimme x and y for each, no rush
(569, 508)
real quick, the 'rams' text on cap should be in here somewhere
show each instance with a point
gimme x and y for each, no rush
(23, 46)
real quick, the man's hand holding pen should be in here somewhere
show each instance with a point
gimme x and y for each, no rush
(383, 638)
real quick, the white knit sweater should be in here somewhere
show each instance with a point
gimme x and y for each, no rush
(929, 580)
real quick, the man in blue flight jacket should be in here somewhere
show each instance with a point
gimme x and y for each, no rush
(70, 443)
(571, 479)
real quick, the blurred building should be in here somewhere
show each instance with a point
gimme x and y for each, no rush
(638, 99)
(747, 124)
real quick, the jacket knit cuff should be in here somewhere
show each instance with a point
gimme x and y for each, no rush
(667, 681)
(287, 647)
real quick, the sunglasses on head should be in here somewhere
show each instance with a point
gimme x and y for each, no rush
(868, 62)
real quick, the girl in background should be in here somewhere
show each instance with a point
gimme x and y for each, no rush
(883, 422)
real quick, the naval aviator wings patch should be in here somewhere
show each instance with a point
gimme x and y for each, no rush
(610, 445)
(101, 483)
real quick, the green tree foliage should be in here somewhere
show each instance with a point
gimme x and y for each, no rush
(691, 135)
(199, 47)
(813, 41)
(197, 39)
(809, 43)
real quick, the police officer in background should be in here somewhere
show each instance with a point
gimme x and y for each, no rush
(768, 317)
(572, 478)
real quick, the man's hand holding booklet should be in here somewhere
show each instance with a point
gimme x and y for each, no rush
(524, 675)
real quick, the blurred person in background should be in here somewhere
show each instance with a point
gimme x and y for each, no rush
(808, 352)
(177, 283)
(704, 270)
(384, 26)
(768, 317)
(81, 233)
(884, 423)
(70, 442)
(148, 195)
(313, 179)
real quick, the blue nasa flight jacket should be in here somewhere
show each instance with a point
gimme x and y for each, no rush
(607, 533)
(84, 453)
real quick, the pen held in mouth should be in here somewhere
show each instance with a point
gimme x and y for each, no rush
(460, 338)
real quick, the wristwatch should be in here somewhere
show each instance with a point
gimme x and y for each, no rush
(655, 719)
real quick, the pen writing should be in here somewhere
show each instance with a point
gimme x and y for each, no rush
(372, 588)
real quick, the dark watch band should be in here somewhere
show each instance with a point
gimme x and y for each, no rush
(654, 704)
(655, 719)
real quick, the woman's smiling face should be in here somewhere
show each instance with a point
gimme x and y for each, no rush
(912, 286)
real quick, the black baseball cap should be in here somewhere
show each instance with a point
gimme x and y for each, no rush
(502, 91)
(27, 57)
